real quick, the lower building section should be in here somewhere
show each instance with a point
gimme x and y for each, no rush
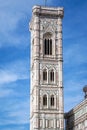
(47, 121)
(51, 122)
(76, 119)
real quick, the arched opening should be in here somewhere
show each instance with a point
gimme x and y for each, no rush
(52, 75)
(47, 44)
(52, 100)
(44, 75)
(45, 100)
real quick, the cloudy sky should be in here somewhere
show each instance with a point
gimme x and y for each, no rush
(15, 57)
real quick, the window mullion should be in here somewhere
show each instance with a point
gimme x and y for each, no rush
(45, 47)
(50, 46)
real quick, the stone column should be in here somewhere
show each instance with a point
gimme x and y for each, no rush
(60, 63)
(44, 124)
(36, 46)
(36, 54)
(55, 122)
(36, 35)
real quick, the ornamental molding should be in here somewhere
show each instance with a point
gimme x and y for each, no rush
(48, 92)
(49, 67)
(48, 25)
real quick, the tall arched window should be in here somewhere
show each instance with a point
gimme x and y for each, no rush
(47, 43)
(45, 100)
(44, 75)
(52, 100)
(48, 46)
(52, 75)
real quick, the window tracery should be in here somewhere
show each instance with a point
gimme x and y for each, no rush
(47, 44)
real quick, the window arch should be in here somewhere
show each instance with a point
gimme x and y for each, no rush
(45, 100)
(48, 44)
(44, 75)
(52, 75)
(52, 100)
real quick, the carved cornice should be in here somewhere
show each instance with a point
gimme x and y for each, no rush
(48, 11)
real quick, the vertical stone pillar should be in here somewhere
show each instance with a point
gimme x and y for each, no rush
(36, 57)
(55, 123)
(61, 124)
(36, 53)
(48, 102)
(60, 56)
(60, 63)
(36, 35)
(37, 72)
(44, 123)
(36, 46)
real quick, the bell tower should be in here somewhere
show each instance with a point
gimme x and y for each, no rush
(46, 94)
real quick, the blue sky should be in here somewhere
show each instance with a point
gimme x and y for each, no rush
(15, 57)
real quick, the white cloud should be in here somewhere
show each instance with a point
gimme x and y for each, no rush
(17, 113)
(11, 14)
(20, 127)
(6, 77)
(8, 24)
(8, 21)
(14, 71)
(20, 112)
(6, 92)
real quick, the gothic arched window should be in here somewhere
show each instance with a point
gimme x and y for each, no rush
(48, 46)
(52, 75)
(52, 100)
(44, 75)
(45, 100)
